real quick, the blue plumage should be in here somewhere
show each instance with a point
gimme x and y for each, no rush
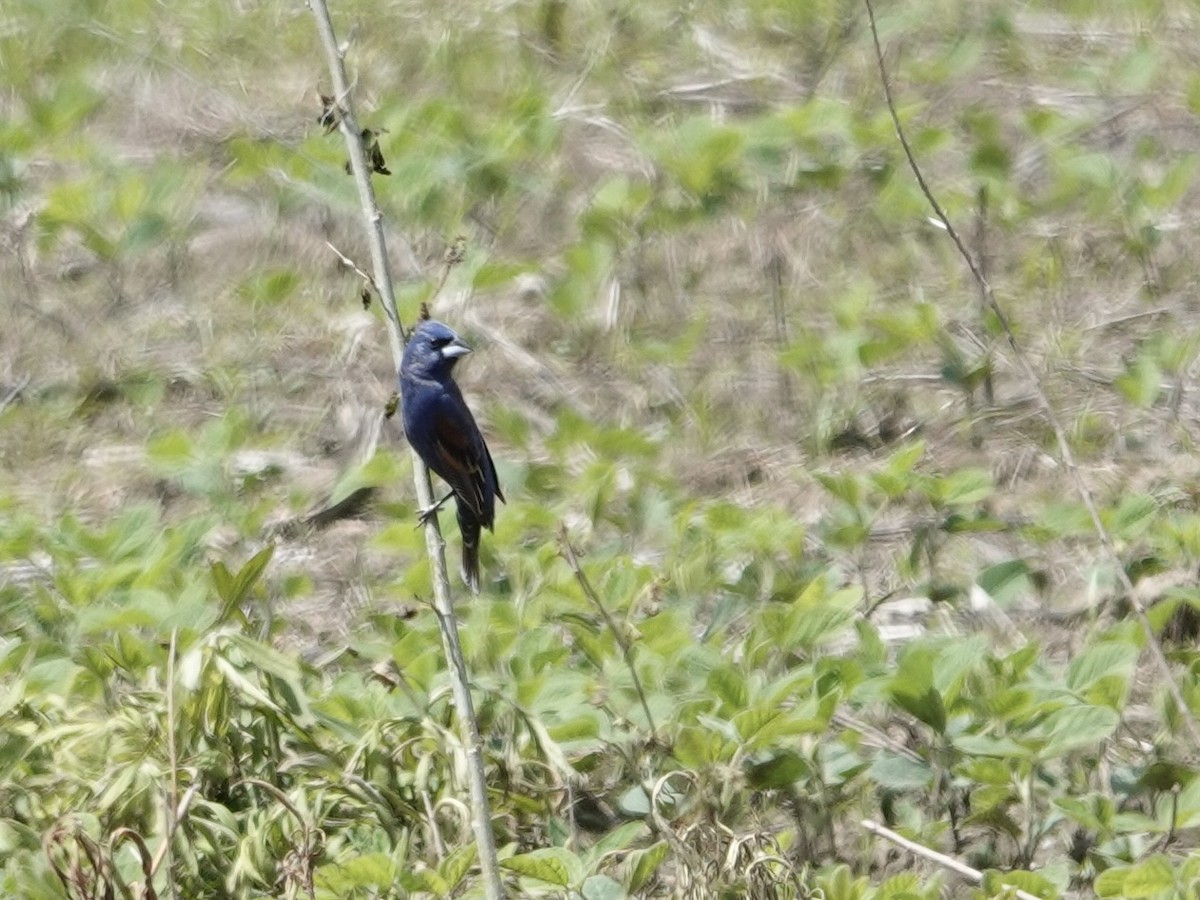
(442, 430)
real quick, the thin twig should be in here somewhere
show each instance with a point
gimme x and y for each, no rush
(981, 243)
(946, 862)
(568, 553)
(481, 817)
(173, 759)
(455, 254)
(1060, 434)
(353, 266)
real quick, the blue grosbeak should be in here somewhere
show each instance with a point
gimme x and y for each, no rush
(442, 430)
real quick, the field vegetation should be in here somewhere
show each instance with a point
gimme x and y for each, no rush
(791, 551)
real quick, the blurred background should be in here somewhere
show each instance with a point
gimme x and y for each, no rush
(720, 337)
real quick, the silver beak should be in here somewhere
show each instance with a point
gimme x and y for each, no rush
(457, 347)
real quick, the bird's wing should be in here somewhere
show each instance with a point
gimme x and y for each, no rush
(461, 455)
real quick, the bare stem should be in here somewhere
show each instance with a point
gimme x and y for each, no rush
(481, 819)
(568, 553)
(946, 862)
(1064, 446)
(172, 820)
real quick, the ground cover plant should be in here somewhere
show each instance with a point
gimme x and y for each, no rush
(789, 545)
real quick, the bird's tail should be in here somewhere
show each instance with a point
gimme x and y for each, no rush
(470, 553)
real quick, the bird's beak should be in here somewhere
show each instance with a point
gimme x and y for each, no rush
(457, 347)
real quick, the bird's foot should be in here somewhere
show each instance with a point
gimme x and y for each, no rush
(430, 511)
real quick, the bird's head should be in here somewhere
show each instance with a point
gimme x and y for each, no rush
(433, 349)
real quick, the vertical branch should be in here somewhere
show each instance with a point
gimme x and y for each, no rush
(481, 819)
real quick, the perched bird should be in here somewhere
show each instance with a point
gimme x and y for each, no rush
(442, 430)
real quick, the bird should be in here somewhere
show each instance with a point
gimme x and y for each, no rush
(441, 429)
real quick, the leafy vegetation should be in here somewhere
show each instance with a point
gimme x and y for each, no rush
(829, 567)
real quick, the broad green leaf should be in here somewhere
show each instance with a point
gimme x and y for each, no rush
(728, 684)
(618, 839)
(900, 772)
(1005, 581)
(905, 886)
(1030, 882)
(1111, 659)
(926, 706)
(1150, 878)
(601, 887)
(635, 801)
(777, 770)
(1094, 813)
(817, 616)
(987, 745)
(966, 486)
(842, 486)
(642, 864)
(224, 584)
(456, 865)
(358, 874)
(1074, 727)
(552, 865)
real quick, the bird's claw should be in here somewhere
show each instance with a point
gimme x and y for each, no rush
(424, 515)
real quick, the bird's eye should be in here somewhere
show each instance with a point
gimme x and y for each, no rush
(440, 342)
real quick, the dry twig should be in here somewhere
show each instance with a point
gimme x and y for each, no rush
(946, 862)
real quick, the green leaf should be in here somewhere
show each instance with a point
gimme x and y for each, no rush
(552, 865)
(1111, 882)
(223, 582)
(912, 688)
(906, 886)
(1094, 813)
(728, 684)
(963, 487)
(1141, 382)
(354, 876)
(379, 470)
(1074, 727)
(1100, 661)
(900, 772)
(817, 616)
(642, 864)
(455, 866)
(170, 451)
(601, 887)
(1004, 581)
(618, 839)
(635, 801)
(1150, 878)
(777, 770)
(1133, 516)
(251, 571)
(995, 883)
(926, 706)
(235, 589)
